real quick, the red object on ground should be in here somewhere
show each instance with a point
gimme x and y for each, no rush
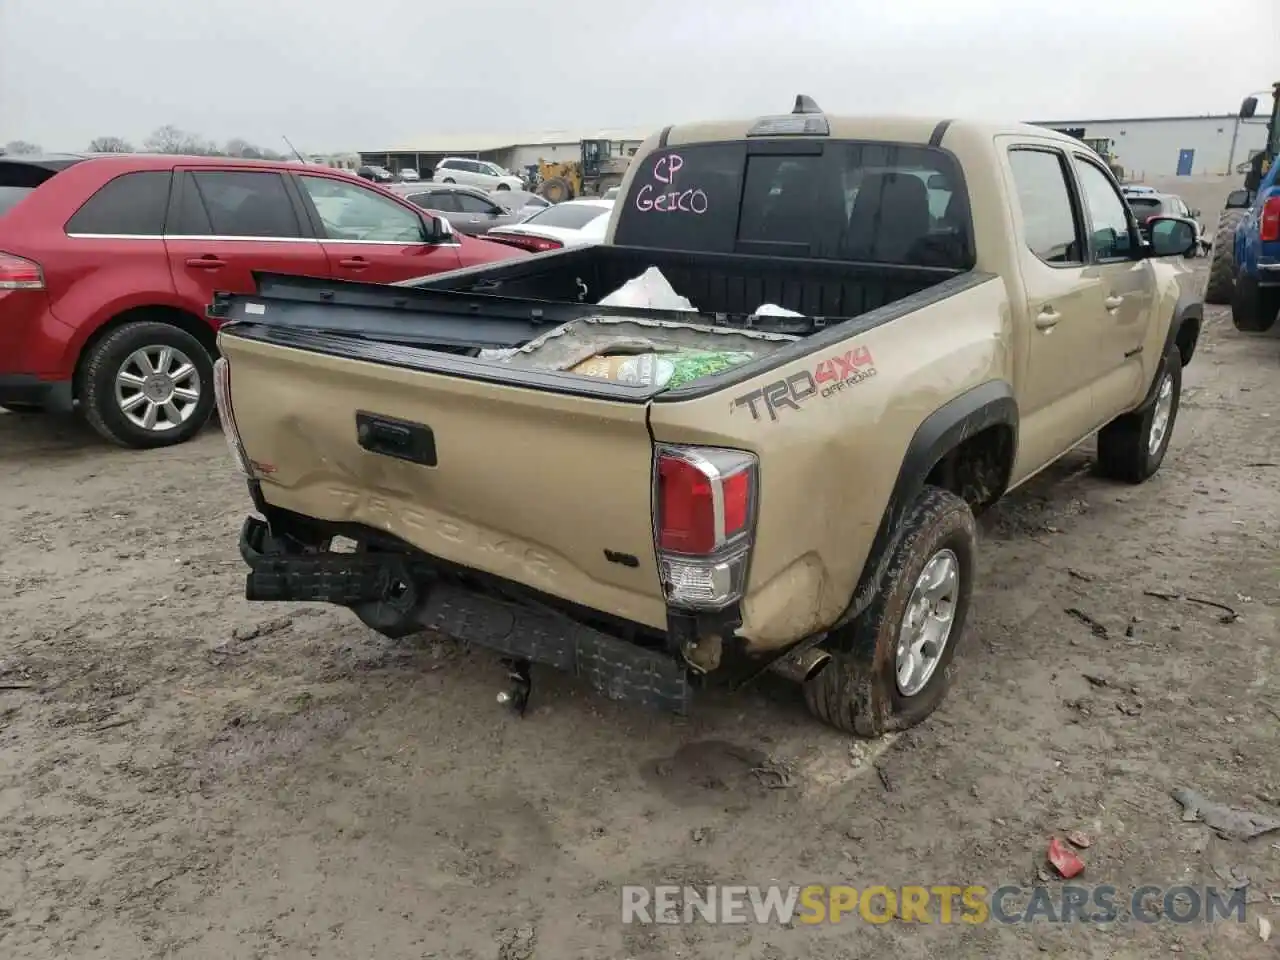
(1064, 859)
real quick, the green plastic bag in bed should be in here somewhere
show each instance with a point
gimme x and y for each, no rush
(662, 369)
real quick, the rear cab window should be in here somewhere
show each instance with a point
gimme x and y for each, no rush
(862, 201)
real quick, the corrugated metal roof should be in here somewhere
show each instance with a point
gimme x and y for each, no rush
(485, 142)
(1085, 123)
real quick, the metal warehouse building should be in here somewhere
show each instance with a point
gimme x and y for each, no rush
(511, 151)
(1173, 146)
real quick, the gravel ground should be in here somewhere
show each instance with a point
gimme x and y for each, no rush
(184, 775)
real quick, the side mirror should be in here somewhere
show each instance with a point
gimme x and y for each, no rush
(1172, 237)
(1248, 108)
(1238, 200)
(436, 229)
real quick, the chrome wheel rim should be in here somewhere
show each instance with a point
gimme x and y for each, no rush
(927, 622)
(1161, 415)
(157, 388)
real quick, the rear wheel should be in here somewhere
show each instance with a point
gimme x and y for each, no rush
(147, 384)
(1222, 266)
(893, 665)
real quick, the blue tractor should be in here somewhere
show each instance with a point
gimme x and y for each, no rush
(1245, 270)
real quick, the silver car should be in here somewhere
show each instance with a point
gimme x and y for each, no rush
(469, 210)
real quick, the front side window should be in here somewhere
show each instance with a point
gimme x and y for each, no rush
(1107, 213)
(350, 212)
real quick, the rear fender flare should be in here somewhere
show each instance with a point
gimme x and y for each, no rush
(983, 406)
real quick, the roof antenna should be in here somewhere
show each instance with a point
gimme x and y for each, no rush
(806, 105)
(293, 148)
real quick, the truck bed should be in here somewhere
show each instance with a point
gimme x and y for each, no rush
(441, 323)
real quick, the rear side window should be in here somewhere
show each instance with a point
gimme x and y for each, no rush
(236, 203)
(10, 197)
(132, 205)
(19, 180)
(866, 201)
(440, 200)
(1048, 216)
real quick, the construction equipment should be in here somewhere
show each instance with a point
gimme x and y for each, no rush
(1245, 266)
(1099, 145)
(595, 171)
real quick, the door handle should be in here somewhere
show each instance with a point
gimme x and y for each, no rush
(1113, 303)
(354, 263)
(1047, 318)
(207, 262)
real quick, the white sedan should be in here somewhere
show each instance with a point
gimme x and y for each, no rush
(573, 223)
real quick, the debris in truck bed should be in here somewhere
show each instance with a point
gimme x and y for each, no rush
(650, 290)
(661, 370)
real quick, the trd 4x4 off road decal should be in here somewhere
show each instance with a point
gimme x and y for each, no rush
(829, 377)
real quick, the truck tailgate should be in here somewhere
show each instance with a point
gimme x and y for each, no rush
(548, 490)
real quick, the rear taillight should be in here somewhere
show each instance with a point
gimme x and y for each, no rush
(227, 417)
(1269, 229)
(17, 273)
(704, 523)
(533, 244)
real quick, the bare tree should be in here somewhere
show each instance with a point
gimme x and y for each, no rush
(20, 148)
(238, 147)
(171, 139)
(110, 145)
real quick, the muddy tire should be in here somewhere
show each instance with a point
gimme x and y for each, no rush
(1222, 266)
(146, 367)
(868, 687)
(1132, 447)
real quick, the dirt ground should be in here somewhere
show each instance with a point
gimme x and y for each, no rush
(185, 775)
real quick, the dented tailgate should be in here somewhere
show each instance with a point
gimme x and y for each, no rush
(548, 490)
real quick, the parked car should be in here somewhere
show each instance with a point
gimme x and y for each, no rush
(573, 223)
(521, 201)
(108, 264)
(793, 493)
(469, 209)
(1148, 206)
(375, 173)
(409, 175)
(476, 173)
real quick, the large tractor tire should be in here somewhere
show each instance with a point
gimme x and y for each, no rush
(1222, 266)
(556, 190)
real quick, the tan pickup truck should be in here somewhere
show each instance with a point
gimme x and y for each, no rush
(748, 431)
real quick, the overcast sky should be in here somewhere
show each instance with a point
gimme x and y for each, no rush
(366, 74)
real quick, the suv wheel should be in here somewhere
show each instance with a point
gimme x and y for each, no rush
(147, 385)
(894, 663)
(1132, 447)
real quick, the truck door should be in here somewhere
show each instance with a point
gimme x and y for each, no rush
(1128, 291)
(1056, 322)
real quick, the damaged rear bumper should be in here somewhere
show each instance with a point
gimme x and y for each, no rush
(614, 668)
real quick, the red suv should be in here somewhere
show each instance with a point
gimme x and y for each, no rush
(108, 263)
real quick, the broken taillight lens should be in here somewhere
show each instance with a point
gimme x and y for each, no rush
(1269, 229)
(226, 416)
(704, 521)
(18, 273)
